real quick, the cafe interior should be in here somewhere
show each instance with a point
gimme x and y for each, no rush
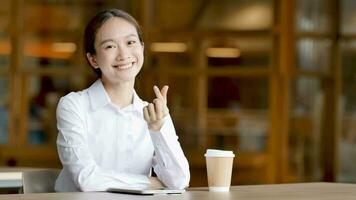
(274, 81)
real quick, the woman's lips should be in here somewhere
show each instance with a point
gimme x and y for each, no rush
(124, 66)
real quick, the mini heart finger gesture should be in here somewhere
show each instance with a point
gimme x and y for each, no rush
(155, 112)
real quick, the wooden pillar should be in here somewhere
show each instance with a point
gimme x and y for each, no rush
(280, 99)
(15, 78)
(201, 91)
(332, 88)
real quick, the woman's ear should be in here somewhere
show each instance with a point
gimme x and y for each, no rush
(92, 60)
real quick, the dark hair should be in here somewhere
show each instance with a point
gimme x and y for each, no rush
(97, 21)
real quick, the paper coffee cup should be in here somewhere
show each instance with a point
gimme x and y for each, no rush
(219, 168)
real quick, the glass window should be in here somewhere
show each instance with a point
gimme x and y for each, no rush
(347, 142)
(241, 131)
(314, 55)
(305, 129)
(348, 16)
(305, 91)
(180, 102)
(237, 115)
(348, 61)
(312, 16)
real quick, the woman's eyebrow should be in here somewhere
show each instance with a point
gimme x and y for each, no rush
(112, 40)
(132, 35)
(105, 41)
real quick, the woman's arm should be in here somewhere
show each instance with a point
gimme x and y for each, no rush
(169, 162)
(76, 157)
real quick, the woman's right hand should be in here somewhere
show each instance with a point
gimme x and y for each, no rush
(155, 112)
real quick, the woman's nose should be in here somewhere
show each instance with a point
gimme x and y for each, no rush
(122, 53)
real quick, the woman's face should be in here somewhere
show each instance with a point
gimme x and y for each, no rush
(119, 52)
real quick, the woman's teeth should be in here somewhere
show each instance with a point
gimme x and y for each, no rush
(123, 66)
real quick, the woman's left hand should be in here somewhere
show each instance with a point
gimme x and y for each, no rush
(155, 112)
(155, 183)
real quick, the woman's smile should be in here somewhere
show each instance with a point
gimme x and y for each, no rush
(124, 66)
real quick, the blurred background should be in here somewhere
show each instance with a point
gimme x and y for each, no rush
(272, 80)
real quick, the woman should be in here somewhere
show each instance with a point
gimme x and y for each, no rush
(108, 137)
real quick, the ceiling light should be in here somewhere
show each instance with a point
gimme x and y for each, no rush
(223, 52)
(64, 47)
(170, 47)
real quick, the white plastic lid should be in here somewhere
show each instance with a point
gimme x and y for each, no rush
(218, 153)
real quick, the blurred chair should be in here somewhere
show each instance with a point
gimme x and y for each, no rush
(39, 181)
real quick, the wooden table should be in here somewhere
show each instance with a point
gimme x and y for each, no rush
(305, 191)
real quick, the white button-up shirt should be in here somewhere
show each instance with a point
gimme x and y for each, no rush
(102, 146)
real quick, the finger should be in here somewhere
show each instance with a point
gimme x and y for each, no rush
(164, 92)
(158, 93)
(151, 112)
(145, 114)
(158, 108)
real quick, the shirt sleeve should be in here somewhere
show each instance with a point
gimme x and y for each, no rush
(76, 157)
(169, 162)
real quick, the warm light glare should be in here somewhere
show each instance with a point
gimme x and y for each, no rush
(5, 47)
(64, 47)
(174, 47)
(45, 49)
(223, 52)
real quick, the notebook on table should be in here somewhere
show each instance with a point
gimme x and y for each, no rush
(145, 191)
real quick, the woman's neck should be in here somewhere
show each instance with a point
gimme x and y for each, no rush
(121, 93)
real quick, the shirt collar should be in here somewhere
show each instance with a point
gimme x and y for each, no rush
(137, 104)
(99, 98)
(97, 95)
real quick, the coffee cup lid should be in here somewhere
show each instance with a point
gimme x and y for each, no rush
(218, 153)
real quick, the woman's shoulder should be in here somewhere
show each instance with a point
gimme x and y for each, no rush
(74, 99)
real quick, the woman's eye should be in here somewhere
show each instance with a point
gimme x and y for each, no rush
(131, 42)
(109, 47)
